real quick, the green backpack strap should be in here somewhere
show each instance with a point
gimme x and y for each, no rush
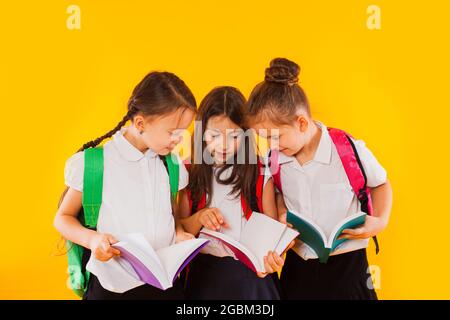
(92, 185)
(91, 201)
(174, 174)
(77, 279)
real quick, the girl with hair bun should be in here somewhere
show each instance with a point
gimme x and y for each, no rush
(315, 178)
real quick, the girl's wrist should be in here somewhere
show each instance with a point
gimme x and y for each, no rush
(92, 235)
(383, 225)
(197, 218)
(179, 228)
(383, 222)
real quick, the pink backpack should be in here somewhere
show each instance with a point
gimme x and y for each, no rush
(352, 166)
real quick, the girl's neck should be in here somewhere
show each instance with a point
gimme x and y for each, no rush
(309, 149)
(134, 138)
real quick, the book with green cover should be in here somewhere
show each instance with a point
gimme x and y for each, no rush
(312, 235)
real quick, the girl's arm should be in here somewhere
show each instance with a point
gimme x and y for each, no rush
(67, 224)
(180, 232)
(272, 261)
(210, 218)
(281, 208)
(382, 204)
(269, 201)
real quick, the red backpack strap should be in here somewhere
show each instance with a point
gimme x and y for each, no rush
(202, 202)
(247, 208)
(188, 192)
(260, 186)
(354, 170)
(196, 207)
(274, 167)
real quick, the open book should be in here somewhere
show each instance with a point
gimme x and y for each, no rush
(260, 235)
(158, 268)
(312, 235)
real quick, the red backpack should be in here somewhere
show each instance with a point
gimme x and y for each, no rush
(247, 208)
(352, 166)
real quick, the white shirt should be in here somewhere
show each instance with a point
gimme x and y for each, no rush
(231, 209)
(136, 198)
(321, 190)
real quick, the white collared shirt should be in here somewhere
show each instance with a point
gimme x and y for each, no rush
(136, 198)
(321, 190)
(231, 209)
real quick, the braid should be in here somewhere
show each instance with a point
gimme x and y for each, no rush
(96, 142)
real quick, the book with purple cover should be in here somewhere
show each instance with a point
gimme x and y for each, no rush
(158, 268)
(260, 235)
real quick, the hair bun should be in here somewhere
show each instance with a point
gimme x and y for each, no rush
(282, 71)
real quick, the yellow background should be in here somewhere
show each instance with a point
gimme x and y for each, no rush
(61, 88)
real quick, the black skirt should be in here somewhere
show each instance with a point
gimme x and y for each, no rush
(214, 278)
(95, 291)
(343, 277)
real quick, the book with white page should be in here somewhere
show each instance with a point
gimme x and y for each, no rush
(260, 235)
(158, 268)
(313, 236)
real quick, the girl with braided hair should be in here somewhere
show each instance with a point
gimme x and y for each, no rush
(136, 194)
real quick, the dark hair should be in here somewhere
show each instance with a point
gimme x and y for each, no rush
(279, 96)
(157, 94)
(230, 102)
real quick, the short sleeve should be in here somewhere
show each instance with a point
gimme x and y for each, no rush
(74, 171)
(376, 174)
(183, 179)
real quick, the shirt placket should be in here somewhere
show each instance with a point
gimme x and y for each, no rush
(307, 169)
(304, 189)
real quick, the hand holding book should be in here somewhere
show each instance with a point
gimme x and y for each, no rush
(273, 262)
(371, 227)
(161, 267)
(101, 246)
(182, 235)
(263, 240)
(313, 236)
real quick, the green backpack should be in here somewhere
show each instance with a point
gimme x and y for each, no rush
(88, 216)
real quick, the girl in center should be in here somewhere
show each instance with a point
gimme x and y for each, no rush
(221, 195)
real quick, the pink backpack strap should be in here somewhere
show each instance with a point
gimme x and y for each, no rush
(352, 165)
(353, 169)
(274, 167)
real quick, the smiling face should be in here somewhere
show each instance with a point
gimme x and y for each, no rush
(287, 138)
(162, 133)
(223, 138)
